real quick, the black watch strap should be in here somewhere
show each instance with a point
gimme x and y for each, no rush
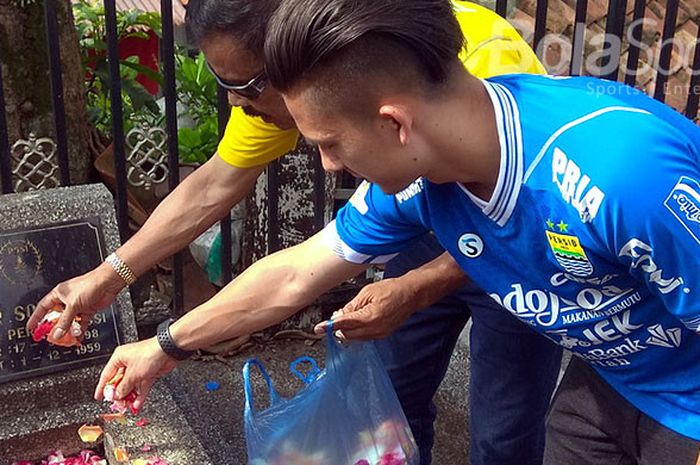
(167, 344)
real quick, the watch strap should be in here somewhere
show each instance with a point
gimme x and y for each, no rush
(167, 344)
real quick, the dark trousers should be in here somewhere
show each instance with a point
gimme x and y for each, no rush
(513, 370)
(591, 424)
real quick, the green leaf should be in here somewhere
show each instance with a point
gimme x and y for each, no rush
(145, 70)
(138, 95)
(188, 137)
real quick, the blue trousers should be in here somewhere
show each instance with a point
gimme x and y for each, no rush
(513, 370)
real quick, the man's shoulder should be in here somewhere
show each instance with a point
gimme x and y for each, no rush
(249, 141)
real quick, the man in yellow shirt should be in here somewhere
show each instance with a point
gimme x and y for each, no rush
(513, 370)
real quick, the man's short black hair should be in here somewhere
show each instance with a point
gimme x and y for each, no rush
(360, 37)
(243, 20)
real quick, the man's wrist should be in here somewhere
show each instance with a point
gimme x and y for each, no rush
(109, 278)
(167, 344)
(423, 287)
(121, 268)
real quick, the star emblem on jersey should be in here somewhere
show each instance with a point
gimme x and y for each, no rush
(567, 250)
(670, 338)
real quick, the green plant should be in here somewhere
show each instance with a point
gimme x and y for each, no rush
(196, 87)
(196, 90)
(139, 106)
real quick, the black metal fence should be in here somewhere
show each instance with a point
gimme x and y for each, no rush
(610, 65)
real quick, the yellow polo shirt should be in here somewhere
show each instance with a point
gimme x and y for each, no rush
(493, 47)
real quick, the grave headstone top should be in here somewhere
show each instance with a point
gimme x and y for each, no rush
(47, 237)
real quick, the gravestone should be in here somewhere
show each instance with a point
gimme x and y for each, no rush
(46, 391)
(28, 259)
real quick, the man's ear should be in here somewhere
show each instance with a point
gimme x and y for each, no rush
(400, 119)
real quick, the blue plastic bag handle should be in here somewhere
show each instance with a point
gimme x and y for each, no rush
(313, 373)
(333, 345)
(246, 383)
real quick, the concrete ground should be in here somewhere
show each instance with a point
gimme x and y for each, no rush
(221, 412)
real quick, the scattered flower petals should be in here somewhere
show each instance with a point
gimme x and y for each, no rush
(157, 461)
(86, 457)
(151, 461)
(111, 386)
(392, 458)
(120, 405)
(89, 433)
(41, 331)
(120, 454)
(146, 448)
(143, 422)
(118, 417)
(45, 328)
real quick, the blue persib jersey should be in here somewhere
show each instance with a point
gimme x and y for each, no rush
(592, 235)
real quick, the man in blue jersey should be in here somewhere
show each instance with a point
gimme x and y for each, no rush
(576, 210)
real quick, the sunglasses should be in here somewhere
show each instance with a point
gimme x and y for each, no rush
(250, 90)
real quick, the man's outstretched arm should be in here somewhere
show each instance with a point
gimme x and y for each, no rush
(198, 202)
(271, 290)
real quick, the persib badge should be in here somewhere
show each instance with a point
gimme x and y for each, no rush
(684, 203)
(569, 253)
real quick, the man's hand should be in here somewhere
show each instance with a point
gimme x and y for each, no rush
(375, 312)
(80, 296)
(143, 362)
(382, 307)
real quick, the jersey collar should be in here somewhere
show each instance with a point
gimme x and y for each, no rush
(510, 176)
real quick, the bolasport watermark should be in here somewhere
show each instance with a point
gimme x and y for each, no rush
(602, 87)
(606, 54)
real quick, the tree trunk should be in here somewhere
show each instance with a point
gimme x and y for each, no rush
(26, 79)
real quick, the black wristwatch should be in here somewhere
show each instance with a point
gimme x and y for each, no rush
(167, 344)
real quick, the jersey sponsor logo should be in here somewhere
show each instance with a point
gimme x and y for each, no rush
(575, 187)
(619, 331)
(359, 198)
(669, 338)
(547, 308)
(640, 253)
(684, 203)
(692, 323)
(604, 331)
(470, 245)
(413, 189)
(586, 315)
(568, 251)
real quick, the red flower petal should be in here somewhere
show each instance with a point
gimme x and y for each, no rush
(42, 330)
